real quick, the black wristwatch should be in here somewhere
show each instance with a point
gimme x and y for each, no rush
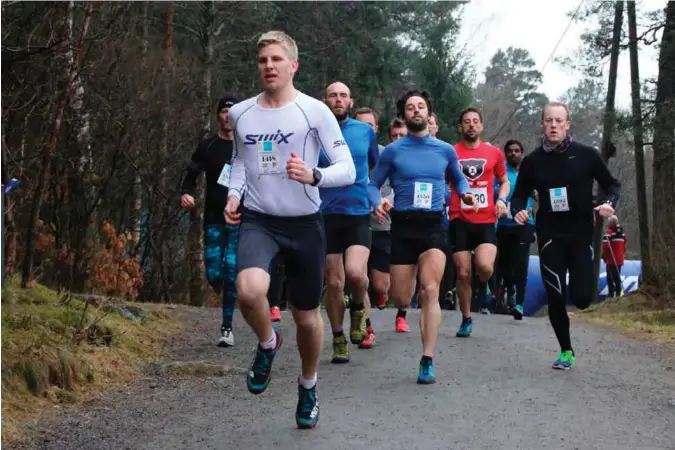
(317, 177)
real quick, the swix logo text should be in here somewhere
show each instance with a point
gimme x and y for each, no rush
(279, 137)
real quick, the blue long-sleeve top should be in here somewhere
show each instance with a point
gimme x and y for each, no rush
(416, 167)
(353, 199)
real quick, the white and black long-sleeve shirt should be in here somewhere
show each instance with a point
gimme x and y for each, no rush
(264, 139)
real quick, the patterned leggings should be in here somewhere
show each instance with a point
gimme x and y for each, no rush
(220, 259)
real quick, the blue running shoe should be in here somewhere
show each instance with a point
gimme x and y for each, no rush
(307, 413)
(465, 328)
(518, 312)
(260, 373)
(426, 373)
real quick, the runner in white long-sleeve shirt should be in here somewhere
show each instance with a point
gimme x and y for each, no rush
(278, 136)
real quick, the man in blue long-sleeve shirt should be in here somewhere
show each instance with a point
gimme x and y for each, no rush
(416, 165)
(346, 216)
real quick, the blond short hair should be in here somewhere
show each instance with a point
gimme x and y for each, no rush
(561, 104)
(281, 38)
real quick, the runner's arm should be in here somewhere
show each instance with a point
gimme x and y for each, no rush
(500, 173)
(238, 175)
(341, 171)
(379, 175)
(456, 177)
(523, 188)
(373, 151)
(194, 169)
(609, 184)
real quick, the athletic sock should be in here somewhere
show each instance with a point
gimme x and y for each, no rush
(356, 306)
(271, 343)
(337, 334)
(426, 359)
(401, 313)
(368, 324)
(307, 383)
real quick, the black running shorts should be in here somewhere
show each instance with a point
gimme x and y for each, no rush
(466, 236)
(380, 251)
(415, 232)
(344, 231)
(302, 243)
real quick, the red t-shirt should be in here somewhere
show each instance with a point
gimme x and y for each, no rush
(480, 166)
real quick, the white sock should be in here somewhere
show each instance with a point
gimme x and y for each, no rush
(270, 343)
(308, 384)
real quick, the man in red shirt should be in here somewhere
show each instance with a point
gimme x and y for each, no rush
(472, 228)
(613, 254)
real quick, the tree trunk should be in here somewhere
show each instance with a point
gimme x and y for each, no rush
(638, 132)
(138, 190)
(663, 233)
(48, 155)
(607, 129)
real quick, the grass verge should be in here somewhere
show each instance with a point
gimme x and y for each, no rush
(57, 353)
(638, 314)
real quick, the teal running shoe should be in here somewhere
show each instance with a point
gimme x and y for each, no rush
(518, 312)
(307, 412)
(465, 327)
(426, 373)
(260, 373)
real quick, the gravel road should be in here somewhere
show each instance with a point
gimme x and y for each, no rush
(495, 390)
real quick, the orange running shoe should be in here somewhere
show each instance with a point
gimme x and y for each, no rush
(275, 313)
(369, 341)
(381, 301)
(401, 325)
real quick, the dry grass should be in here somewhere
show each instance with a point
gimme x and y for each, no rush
(638, 313)
(55, 355)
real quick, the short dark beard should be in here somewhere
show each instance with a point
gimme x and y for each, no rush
(342, 117)
(467, 138)
(416, 127)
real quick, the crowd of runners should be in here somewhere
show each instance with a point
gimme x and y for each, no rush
(301, 198)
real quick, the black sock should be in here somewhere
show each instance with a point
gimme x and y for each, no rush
(401, 313)
(427, 359)
(368, 324)
(337, 334)
(356, 306)
(226, 326)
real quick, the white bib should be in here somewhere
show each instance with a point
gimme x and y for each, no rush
(269, 160)
(481, 198)
(423, 195)
(224, 178)
(559, 202)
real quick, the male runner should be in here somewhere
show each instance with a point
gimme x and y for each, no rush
(473, 229)
(416, 166)
(346, 216)
(274, 132)
(562, 172)
(214, 156)
(433, 124)
(380, 252)
(513, 241)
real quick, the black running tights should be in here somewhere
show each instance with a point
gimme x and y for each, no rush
(559, 256)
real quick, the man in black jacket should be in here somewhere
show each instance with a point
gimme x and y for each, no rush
(562, 172)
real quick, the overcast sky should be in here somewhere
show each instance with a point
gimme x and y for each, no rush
(536, 25)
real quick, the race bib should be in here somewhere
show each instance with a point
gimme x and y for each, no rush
(269, 160)
(423, 195)
(224, 178)
(481, 198)
(559, 202)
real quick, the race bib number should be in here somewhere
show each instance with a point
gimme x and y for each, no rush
(269, 160)
(481, 197)
(559, 201)
(423, 195)
(225, 174)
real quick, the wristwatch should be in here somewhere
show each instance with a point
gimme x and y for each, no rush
(317, 177)
(502, 199)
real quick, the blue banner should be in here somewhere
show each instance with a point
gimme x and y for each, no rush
(535, 293)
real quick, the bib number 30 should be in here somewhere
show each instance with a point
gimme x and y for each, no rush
(481, 198)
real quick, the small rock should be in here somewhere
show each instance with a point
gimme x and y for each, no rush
(671, 402)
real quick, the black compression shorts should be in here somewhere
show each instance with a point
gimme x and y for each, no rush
(380, 251)
(344, 231)
(415, 232)
(465, 236)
